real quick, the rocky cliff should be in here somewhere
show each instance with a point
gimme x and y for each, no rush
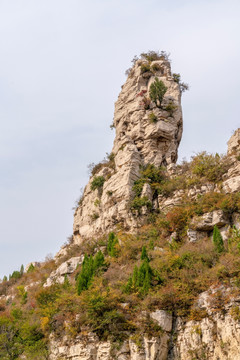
(214, 337)
(213, 332)
(146, 133)
(165, 284)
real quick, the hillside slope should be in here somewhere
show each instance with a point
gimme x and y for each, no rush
(155, 273)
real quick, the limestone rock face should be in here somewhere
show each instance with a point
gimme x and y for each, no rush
(232, 182)
(207, 221)
(66, 268)
(145, 134)
(163, 319)
(214, 336)
(234, 143)
(90, 348)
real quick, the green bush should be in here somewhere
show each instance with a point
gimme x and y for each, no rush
(151, 56)
(104, 316)
(170, 108)
(97, 182)
(21, 339)
(155, 55)
(108, 161)
(145, 68)
(176, 77)
(183, 86)
(31, 268)
(152, 117)
(139, 202)
(46, 298)
(152, 174)
(156, 67)
(211, 167)
(157, 92)
(138, 186)
(95, 216)
(145, 103)
(149, 174)
(169, 185)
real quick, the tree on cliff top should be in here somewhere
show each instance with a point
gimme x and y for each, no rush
(157, 92)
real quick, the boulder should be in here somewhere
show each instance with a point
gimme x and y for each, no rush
(232, 184)
(194, 235)
(207, 221)
(163, 319)
(66, 268)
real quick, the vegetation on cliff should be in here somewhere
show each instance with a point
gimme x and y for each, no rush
(124, 274)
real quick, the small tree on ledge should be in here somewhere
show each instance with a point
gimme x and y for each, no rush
(157, 92)
(217, 240)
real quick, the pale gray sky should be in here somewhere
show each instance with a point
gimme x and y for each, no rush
(62, 64)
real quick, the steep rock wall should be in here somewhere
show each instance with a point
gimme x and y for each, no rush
(138, 142)
(215, 336)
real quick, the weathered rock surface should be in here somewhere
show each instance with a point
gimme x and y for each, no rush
(215, 336)
(232, 184)
(137, 142)
(163, 319)
(194, 235)
(234, 143)
(66, 268)
(91, 348)
(207, 221)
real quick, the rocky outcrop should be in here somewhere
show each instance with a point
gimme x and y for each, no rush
(234, 144)
(163, 319)
(91, 348)
(145, 134)
(215, 335)
(232, 182)
(207, 221)
(66, 268)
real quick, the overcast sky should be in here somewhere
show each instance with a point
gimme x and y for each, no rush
(62, 64)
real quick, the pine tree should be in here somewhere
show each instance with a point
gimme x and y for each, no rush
(66, 283)
(31, 268)
(22, 269)
(147, 282)
(135, 277)
(129, 285)
(98, 261)
(90, 267)
(140, 281)
(217, 240)
(144, 254)
(157, 92)
(111, 245)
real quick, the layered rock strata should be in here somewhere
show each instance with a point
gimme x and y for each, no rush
(215, 335)
(145, 133)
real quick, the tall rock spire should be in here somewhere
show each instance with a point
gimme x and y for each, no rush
(147, 132)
